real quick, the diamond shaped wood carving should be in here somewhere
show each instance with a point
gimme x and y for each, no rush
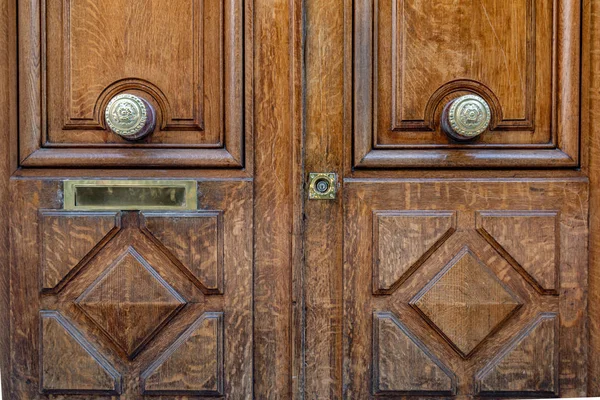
(130, 301)
(466, 302)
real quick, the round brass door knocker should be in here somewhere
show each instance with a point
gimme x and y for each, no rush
(466, 117)
(130, 116)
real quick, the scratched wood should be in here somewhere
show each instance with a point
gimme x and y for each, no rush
(467, 302)
(323, 235)
(184, 57)
(412, 57)
(8, 136)
(590, 125)
(130, 306)
(277, 122)
(253, 95)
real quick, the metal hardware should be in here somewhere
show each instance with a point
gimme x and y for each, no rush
(466, 117)
(322, 186)
(99, 195)
(130, 116)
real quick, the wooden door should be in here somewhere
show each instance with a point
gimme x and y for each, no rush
(158, 239)
(147, 292)
(146, 144)
(448, 268)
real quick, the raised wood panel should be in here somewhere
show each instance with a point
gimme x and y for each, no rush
(105, 44)
(193, 365)
(70, 364)
(528, 365)
(184, 57)
(433, 45)
(412, 57)
(403, 365)
(130, 301)
(467, 301)
(196, 241)
(530, 240)
(403, 241)
(67, 238)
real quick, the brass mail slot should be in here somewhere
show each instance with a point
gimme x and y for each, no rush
(94, 195)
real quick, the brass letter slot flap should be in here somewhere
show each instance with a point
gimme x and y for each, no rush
(95, 195)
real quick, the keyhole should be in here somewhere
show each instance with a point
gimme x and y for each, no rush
(322, 186)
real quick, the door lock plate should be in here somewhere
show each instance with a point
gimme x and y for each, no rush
(322, 185)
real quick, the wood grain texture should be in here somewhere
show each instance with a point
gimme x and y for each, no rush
(591, 126)
(403, 365)
(530, 239)
(70, 364)
(277, 119)
(528, 365)
(196, 241)
(466, 302)
(522, 59)
(8, 164)
(66, 238)
(91, 52)
(126, 296)
(480, 289)
(323, 232)
(100, 47)
(130, 301)
(193, 365)
(402, 241)
(432, 45)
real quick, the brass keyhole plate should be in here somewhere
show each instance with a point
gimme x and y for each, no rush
(322, 185)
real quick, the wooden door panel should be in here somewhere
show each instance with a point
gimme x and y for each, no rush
(184, 57)
(139, 313)
(487, 302)
(66, 238)
(412, 57)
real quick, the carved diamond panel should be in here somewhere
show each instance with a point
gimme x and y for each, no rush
(195, 240)
(130, 301)
(528, 365)
(67, 238)
(402, 241)
(70, 364)
(198, 351)
(466, 302)
(403, 365)
(529, 240)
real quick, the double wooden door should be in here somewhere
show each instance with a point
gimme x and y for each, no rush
(313, 199)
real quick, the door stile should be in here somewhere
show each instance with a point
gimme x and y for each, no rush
(8, 164)
(323, 234)
(590, 121)
(277, 208)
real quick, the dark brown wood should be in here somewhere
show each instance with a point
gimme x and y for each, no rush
(190, 364)
(277, 122)
(130, 305)
(532, 357)
(194, 240)
(466, 302)
(323, 232)
(393, 348)
(411, 58)
(67, 238)
(8, 164)
(77, 60)
(63, 346)
(442, 269)
(591, 125)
